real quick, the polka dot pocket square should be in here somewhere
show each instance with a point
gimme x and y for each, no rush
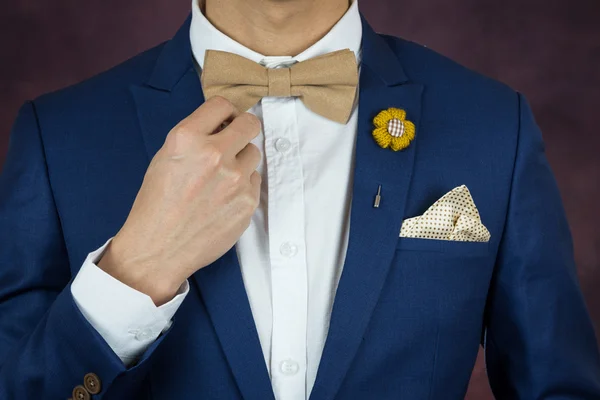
(452, 217)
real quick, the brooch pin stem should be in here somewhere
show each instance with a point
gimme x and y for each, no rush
(377, 198)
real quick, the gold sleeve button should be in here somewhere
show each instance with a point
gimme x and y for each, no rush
(92, 383)
(79, 393)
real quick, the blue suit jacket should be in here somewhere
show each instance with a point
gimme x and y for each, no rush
(409, 314)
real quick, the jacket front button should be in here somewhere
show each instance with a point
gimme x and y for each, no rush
(79, 393)
(92, 383)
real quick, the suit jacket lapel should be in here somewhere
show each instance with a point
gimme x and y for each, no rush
(172, 92)
(373, 231)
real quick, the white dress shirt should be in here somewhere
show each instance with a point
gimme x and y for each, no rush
(291, 255)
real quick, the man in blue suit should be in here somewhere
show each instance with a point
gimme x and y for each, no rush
(281, 203)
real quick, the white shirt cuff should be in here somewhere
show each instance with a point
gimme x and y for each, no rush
(127, 319)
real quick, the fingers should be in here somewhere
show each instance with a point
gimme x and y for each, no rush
(249, 159)
(219, 122)
(209, 117)
(239, 133)
(255, 181)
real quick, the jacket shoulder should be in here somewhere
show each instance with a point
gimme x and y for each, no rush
(432, 68)
(470, 104)
(103, 88)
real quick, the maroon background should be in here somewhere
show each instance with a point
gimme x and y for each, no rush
(547, 49)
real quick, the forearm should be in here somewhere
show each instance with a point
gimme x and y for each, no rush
(46, 344)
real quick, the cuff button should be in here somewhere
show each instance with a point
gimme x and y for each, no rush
(79, 393)
(92, 383)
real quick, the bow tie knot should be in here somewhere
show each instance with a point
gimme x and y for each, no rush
(325, 84)
(280, 82)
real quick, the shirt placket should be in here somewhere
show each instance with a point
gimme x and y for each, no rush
(286, 248)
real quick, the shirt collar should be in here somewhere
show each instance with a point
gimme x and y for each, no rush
(345, 34)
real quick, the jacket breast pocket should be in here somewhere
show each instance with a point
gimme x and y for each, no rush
(450, 247)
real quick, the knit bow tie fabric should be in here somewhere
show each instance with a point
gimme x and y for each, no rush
(326, 84)
(453, 217)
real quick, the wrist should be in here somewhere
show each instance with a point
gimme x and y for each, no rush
(137, 274)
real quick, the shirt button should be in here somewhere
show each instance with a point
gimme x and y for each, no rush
(143, 334)
(288, 249)
(289, 367)
(282, 145)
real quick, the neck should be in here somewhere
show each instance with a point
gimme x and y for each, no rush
(275, 27)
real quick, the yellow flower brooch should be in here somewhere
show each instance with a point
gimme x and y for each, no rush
(393, 130)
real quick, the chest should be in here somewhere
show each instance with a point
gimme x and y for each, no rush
(291, 255)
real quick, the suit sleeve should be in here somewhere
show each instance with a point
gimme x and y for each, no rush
(539, 339)
(46, 345)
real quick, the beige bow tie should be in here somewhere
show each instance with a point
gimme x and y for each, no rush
(326, 84)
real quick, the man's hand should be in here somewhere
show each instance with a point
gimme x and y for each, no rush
(196, 200)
